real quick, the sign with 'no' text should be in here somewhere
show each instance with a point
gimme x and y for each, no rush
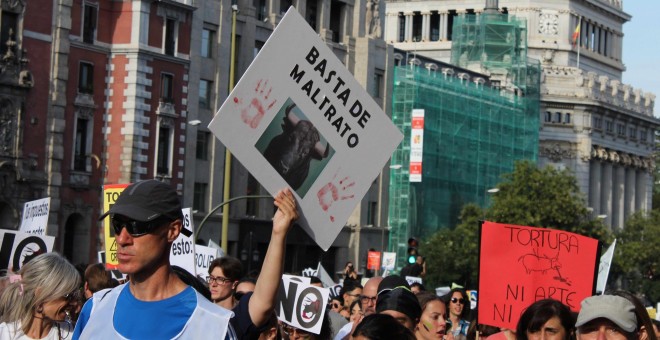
(299, 119)
(519, 265)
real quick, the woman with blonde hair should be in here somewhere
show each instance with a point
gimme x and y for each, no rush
(39, 300)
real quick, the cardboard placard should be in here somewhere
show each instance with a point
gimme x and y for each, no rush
(35, 216)
(300, 304)
(299, 119)
(182, 253)
(519, 265)
(17, 248)
(110, 194)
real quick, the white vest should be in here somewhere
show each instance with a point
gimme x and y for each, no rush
(207, 320)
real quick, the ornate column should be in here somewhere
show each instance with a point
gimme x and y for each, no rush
(618, 194)
(595, 170)
(629, 199)
(426, 26)
(408, 32)
(443, 25)
(606, 193)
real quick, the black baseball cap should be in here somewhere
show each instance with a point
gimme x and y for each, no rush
(145, 201)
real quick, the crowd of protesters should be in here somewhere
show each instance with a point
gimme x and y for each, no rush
(51, 299)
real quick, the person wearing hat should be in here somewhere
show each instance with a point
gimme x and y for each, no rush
(396, 299)
(606, 317)
(156, 304)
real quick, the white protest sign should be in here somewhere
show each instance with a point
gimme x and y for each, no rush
(300, 304)
(183, 248)
(299, 119)
(17, 248)
(35, 216)
(203, 258)
(604, 268)
(389, 260)
(413, 279)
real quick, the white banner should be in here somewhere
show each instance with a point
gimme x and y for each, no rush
(389, 260)
(35, 216)
(203, 258)
(183, 248)
(299, 119)
(416, 145)
(17, 248)
(300, 304)
(604, 268)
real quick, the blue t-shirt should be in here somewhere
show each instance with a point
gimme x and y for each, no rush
(135, 319)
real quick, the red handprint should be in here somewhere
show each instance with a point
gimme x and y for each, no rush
(255, 109)
(330, 193)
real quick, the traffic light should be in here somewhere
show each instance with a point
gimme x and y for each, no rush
(412, 250)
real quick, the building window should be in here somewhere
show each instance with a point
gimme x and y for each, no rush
(336, 20)
(609, 126)
(402, 27)
(164, 150)
(632, 132)
(81, 144)
(548, 117)
(8, 29)
(311, 13)
(435, 26)
(372, 213)
(557, 117)
(89, 23)
(621, 130)
(170, 36)
(199, 196)
(258, 45)
(86, 78)
(598, 123)
(377, 89)
(567, 118)
(642, 135)
(167, 88)
(202, 150)
(208, 37)
(205, 87)
(417, 26)
(260, 5)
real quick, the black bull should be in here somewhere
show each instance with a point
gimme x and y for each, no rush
(291, 152)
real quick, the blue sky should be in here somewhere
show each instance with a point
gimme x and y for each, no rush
(641, 47)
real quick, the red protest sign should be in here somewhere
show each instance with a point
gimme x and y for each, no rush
(373, 260)
(519, 265)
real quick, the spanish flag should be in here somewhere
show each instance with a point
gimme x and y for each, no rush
(576, 34)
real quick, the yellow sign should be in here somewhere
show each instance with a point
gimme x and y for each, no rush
(110, 194)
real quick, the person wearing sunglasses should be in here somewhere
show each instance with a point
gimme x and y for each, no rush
(146, 218)
(459, 310)
(39, 301)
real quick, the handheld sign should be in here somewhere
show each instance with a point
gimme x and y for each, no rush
(35, 216)
(300, 304)
(203, 258)
(299, 119)
(519, 265)
(373, 260)
(389, 260)
(604, 268)
(111, 193)
(18, 248)
(182, 253)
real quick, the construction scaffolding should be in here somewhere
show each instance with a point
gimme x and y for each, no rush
(473, 133)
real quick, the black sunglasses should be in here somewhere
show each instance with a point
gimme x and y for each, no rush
(455, 300)
(136, 228)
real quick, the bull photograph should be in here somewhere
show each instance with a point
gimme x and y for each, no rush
(295, 148)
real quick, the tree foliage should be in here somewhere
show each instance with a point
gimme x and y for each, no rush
(636, 256)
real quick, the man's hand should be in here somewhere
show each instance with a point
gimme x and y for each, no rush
(286, 212)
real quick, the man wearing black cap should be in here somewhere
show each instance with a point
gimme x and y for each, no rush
(396, 300)
(155, 304)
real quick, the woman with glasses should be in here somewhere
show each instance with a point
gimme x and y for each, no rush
(39, 301)
(459, 310)
(292, 333)
(224, 274)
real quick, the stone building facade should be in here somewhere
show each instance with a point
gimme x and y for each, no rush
(103, 101)
(591, 123)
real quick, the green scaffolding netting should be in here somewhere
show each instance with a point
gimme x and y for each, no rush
(472, 133)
